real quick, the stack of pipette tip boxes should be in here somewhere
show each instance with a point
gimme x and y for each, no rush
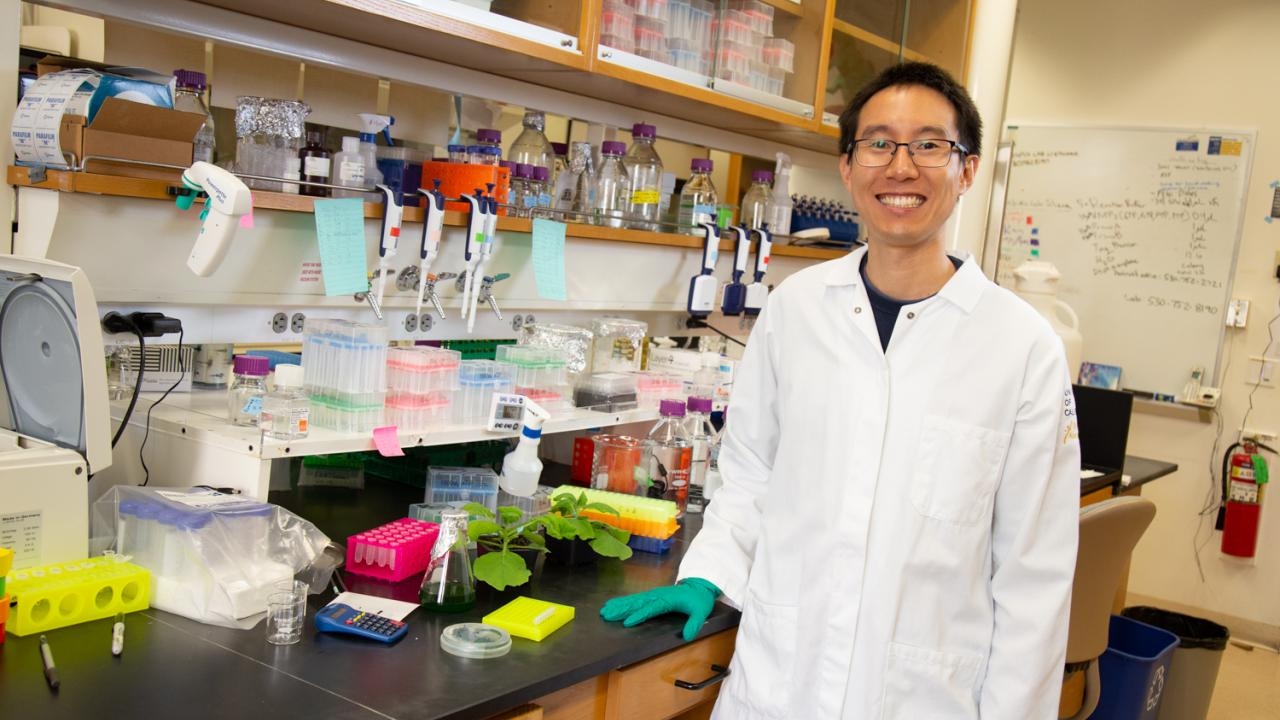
(651, 521)
(421, 385)
(458, 486)
(747, 53)
(6, 562)
(540, 373)
(345, 373)
(393, 551)
(62, 594)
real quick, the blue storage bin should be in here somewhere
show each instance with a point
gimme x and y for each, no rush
(1133, 670)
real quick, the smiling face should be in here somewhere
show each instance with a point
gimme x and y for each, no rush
(901, 204)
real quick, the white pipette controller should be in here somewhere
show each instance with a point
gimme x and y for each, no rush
(735, 293)
(486, 255)
(432, 227)
(229, 198)
(757, 291)
(476, 223)
(392, 218)
(702, 287)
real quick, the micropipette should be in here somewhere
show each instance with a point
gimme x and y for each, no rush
(735, 293)
(758, 292)
(432, 225)
(486, 255)
(702, 287)
(476, 223)
(392, 215)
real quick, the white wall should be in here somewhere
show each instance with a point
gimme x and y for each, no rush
(1179, 63)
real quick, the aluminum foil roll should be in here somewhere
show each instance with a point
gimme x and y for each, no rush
(573, 340)
(283, 121)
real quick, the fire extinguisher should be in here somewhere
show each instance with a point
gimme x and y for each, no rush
(1244, 479)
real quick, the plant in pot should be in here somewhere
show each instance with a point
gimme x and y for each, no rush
(575, 538)
(508, 545)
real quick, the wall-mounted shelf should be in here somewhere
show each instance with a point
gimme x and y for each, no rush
(120, 186)
(871, 38)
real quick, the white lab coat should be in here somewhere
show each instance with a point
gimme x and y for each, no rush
(898, 528)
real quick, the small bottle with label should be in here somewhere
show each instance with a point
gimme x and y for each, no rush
(349, 167)
(248, 386)
(698, 199)
(316, 161)
(286, 411)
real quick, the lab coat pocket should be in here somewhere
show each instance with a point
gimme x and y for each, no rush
(959, 465)
(921, 683)
(765, 658)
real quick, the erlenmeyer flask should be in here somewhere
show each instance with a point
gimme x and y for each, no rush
(448, 585)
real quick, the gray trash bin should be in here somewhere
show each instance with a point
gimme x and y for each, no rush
(1194, 669)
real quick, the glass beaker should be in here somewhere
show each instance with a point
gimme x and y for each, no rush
(620, 464)
(269, 134)
(448, 585)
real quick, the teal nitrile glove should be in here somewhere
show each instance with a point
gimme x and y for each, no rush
(694, 597)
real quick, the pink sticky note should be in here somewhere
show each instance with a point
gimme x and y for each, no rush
(387, 440)
(246, 220)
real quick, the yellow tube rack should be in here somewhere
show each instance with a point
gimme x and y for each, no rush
(643, 516)
(62, 594)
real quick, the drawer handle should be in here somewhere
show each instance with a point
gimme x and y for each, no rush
(721, 672)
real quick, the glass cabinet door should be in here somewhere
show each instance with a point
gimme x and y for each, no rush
(870, 35)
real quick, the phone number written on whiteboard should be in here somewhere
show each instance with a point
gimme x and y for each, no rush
(1172, 304)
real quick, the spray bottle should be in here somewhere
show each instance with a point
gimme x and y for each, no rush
(370, 125)
(780, 223)
(521, 468)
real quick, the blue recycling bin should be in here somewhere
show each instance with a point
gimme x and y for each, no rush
(1133, 670)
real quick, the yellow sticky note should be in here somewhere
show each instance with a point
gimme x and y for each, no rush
(529, 618)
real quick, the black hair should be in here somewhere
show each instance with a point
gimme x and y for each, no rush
(968, 122)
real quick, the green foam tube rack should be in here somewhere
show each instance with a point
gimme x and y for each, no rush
(62, 594)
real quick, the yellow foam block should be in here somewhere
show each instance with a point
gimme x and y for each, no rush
(531, 619)
(62, 594)
(6, 561)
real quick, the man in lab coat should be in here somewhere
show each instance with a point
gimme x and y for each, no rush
(898, 519)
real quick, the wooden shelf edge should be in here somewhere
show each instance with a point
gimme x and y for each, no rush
(866, 36)
(121, 186)
(786, 6)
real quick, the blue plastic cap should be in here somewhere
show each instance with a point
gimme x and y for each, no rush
(532, 433)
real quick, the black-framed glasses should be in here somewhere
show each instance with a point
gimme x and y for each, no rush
(929, 152)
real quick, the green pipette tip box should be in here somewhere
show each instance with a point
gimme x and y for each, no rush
(529, 618)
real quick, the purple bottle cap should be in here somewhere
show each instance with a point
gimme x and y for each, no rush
(541, 174)
(193, 79)
(457, 149)
(613, 147)
(699, 405)
(489, 135)
(252, 365)
(640, 130)
(524, 170)
(762, 176)
(509, 165)
(561, 149)
(671, 408)
(701, 165)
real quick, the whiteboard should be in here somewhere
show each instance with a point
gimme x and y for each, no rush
(1144, 225)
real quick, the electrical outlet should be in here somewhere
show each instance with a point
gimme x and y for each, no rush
(411, 322)
(1257, 435)
(1237, 313)
(297, 322)
(1260, 371)
(279, 322)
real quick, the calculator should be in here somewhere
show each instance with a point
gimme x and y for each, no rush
(339, 618)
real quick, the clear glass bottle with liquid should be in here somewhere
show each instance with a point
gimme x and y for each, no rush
(458, 154)
(490, 138)
(702, 438)
(757, 201)
(350, 169)
(644, 169)
(448, 585)
(575, 187)
(670, 455)
(248, 386)
(531, 146)
(286, 410)
(189, 97)
(613, 186)
(519, 191)
(561, 152)
(542, 186)
(698, 199)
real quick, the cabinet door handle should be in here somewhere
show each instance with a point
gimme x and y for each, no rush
(721, 672)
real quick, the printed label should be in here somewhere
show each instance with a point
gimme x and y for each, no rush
(316, 166)
(350, 172)
(202, 500)
(647, 196)
(1245, 492)
(20, 532)
(253, 406)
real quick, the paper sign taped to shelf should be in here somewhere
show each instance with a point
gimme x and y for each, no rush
(548, 258)
(387, 441)
(340, 229)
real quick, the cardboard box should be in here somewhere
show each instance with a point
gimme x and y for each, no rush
(133, 131)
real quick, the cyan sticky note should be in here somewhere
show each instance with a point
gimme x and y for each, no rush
(340, 229)
(548, 258)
